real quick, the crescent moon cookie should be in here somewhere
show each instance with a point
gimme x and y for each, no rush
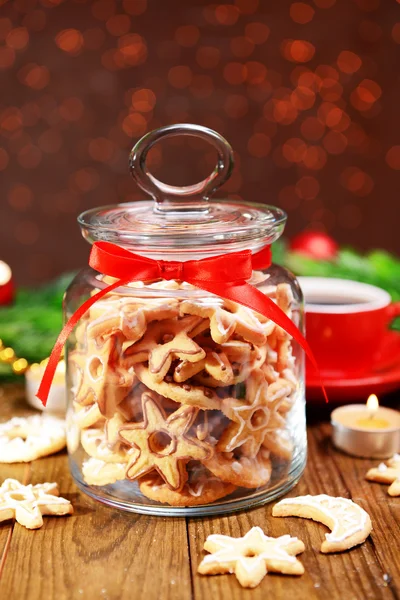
(388, 473)
(349, 523)
(28, 438)
(27, 503)
(252, 556)
(227, 317)
(163, 443)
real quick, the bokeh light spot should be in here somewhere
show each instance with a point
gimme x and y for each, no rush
(70, 40)
(356, 181)
(314, 158)
(396, 33)
(307, 187)
(301, 13)
(226, 14)
(4, 159)
(18, 38)
(348, 62)
(235, 73)
(297, 50)
(335, 142)
(393, 157)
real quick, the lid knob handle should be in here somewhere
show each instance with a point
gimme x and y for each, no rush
(190, 198)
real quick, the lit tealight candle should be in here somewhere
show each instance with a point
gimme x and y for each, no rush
(372, 421)
(6, 284)
(369, 430)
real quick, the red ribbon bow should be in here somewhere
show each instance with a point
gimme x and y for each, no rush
(225, 275)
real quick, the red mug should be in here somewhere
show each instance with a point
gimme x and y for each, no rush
(347, 324)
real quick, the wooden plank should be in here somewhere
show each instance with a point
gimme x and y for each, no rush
(351, 575)
(383, 509)
(98, 552)
(12, 404)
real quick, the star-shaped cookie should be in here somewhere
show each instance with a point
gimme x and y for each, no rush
(388, 473)
(165, 341)
(251, 418)
(129, 316)
(163, 444)
(101, 379)
(27, 503)
(252, 556)
(228, 317)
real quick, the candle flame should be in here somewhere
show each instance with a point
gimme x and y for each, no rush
(5, 273)
(373, 402)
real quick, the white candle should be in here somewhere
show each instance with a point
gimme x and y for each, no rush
(370, 430)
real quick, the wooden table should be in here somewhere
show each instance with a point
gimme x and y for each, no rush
(102, 553)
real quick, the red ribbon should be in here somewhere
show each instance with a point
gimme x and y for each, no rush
(225, 275)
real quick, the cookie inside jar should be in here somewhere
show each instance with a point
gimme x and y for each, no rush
(183, 397)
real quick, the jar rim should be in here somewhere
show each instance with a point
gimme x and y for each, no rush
(230, 224)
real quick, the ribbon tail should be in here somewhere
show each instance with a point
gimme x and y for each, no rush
(248, 295)
(48, 376)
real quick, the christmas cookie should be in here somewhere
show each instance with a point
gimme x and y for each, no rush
(163, 443)
(252, 556)
(387, 473)
(184, 393)
(349, 523)
(28, 503)
(241, 470)
(163, 342)
(201, 488)
(227, 317)
(129, 316)
(252, 417)
(100, 377)
(86, 416)
(28, 438)
(95, 444)
(99, 472)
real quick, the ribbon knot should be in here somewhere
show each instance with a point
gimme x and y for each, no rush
(170, 269)
(223, 275)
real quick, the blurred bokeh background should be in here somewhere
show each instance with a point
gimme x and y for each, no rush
(306, 92)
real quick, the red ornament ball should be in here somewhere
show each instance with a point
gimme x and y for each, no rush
(315, 244)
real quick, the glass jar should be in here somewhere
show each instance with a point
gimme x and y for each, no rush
(180, 401)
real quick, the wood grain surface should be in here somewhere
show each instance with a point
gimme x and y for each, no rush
(102, 553)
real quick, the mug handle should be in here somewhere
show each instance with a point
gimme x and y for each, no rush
(393, 311)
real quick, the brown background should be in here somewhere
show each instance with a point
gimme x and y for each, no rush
(306, 92)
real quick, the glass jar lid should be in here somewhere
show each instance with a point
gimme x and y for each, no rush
(183, 219)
